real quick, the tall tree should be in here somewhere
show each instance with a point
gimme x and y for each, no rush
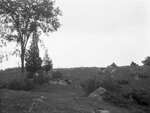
(33, 60)
(20, 18)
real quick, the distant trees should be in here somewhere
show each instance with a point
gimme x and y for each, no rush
(33, 60)
(146, 61)
(133, 64)
(21, 18)
(47, 62)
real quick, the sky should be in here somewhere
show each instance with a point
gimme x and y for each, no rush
(98, 33)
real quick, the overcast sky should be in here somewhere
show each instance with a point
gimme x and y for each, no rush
(99, 32)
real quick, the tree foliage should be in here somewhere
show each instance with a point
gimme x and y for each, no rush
(146, 61)
(33, 61)
(20, 18)
(47, 62)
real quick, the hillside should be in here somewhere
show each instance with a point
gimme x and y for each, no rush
(70, 99)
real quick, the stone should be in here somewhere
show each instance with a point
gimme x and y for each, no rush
(97, 94)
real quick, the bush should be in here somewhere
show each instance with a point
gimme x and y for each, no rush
(141, 97)
(18, 84)
(40, 77)
(122, 82)
(110, 85)
(29, 75)
(146, 61)
(143, 76)
(57, 75)
(90, 85)
(137, 111)
(47, 62)
(116, 99)
(133, 64)
(145, 109)
(28, 85)
(15, 85)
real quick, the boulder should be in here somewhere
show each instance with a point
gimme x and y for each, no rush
(97, 94)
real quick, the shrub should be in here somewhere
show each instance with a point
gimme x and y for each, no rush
(116, 99)
(110, 85)
(47, 62)
(133, 64)
(145, 109)
(29, 75)
(28, 85)
(143, 76)
(57, 75)
(40, 77)
(146, 61)
(90, 85)
(141, 97)
(137, 111)
(15, 85)
(122, 82)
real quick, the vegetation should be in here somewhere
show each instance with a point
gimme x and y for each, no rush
(141, 97)
(33, 60)
(125, 92)
(21, 18)
(40, 78)
(146, 61)
(17, 84)
(57, 75)
(133, 64)
(90, 85)
(117, 99)
(47, 62)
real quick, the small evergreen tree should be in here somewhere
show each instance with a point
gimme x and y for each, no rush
(146, 61)
(47, 62)
(33, 61)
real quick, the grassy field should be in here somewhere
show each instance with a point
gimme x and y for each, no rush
(52, 98)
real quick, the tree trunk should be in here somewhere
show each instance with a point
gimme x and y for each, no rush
(22, 62)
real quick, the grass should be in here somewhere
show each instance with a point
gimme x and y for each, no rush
(51, 98)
